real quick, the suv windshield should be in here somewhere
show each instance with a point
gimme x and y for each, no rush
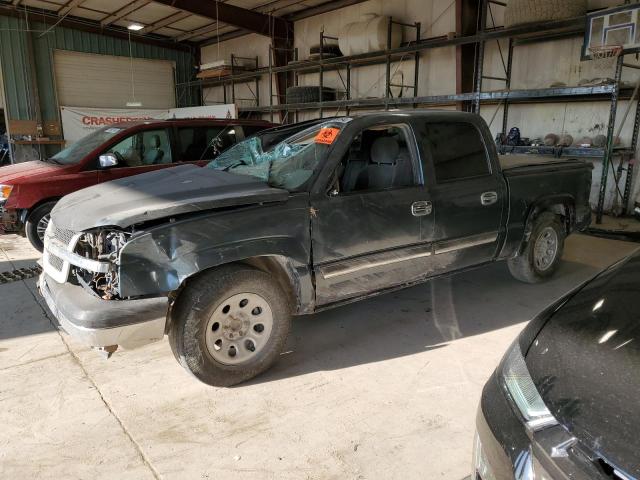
(288, 164)
(76, 152)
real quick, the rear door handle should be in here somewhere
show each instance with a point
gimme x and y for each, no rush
(488, 198)
(421, 208)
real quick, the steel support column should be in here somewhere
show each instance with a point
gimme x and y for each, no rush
(608, 153)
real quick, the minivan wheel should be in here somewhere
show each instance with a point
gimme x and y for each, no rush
(37, 223)
(541, 256)
(229, 325)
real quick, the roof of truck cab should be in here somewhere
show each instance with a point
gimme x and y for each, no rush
(428, 112)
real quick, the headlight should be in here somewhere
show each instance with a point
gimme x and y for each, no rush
(5, 191)
(523, 392)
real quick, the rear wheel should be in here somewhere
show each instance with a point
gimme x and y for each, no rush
(229, 325)
(541, 255)
(37, 223)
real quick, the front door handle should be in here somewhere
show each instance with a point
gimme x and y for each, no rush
(488, 198)
(422, 208)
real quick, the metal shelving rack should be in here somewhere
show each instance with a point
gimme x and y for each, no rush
(533, 32)
(529, 33)
(239, 74)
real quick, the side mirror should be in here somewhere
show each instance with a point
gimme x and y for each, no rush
(108, 160)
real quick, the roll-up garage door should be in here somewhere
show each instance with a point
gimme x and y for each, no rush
(104, 81)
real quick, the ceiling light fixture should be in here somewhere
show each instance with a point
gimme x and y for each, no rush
(135, 27)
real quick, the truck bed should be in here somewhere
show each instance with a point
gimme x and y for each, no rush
(522, 164)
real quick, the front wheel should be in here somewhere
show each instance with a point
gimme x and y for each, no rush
(37, 223)
(541, 256)
(229, 325)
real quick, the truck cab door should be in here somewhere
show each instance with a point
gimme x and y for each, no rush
(367, 226)
(468, 196)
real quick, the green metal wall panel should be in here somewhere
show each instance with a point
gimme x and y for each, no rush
(15, 67)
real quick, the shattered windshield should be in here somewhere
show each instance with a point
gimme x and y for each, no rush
(288, 164)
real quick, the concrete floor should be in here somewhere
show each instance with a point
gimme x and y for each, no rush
(386, 388)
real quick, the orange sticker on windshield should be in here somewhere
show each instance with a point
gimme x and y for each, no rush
(327, 135)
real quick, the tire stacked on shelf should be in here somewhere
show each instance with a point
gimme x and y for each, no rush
(309, 94)
(518, 12)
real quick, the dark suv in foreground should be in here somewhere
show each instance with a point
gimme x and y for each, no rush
(563, 404)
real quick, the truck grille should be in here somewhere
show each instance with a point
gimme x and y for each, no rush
(62, 234)
(54, 266)
(56, 262)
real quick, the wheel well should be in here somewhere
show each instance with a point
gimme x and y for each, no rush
(279, 267)
(564, 209)
(28, 211)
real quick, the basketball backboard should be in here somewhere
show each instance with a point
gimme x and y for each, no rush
(611, 27)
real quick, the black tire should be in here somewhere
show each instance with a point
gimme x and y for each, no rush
(525, 267)
(197, 303)
(309, 94)
(33, 223)
(331, 49)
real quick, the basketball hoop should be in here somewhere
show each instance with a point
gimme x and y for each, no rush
(604, 57)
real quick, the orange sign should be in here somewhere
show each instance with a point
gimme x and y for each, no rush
(327, 135)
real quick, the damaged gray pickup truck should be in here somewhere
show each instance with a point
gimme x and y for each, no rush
(295, 220)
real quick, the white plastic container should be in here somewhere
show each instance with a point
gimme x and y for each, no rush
(368, 35)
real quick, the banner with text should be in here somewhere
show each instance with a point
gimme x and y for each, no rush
(78, 122)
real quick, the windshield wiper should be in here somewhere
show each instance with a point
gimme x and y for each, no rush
(52, 160)
(234, 165)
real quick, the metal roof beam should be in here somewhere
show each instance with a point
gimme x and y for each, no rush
(212, 27)
(173, 18)
(67, 7)
(250, 20)
(322, 8)
(123, 12)
(93, 27)
(292, 17)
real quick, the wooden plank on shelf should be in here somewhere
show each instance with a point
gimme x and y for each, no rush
(214, 73)
(23, 127)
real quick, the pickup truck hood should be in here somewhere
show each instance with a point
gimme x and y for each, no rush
(585, 363)
(160, 194)
(10, 174)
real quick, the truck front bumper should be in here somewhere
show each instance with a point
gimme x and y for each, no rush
(10, 221)
(104, 323)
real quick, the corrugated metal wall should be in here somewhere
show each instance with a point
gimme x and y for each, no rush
(15, 67)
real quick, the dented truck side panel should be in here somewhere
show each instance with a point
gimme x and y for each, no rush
(160, 259)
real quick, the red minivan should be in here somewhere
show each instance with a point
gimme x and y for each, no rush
(28, 191)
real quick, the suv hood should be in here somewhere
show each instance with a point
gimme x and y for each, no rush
(585, 363)
(28, 171)
(159, 194)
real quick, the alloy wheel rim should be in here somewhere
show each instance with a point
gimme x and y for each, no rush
(42, 225)
(546, 248)
(239, 328)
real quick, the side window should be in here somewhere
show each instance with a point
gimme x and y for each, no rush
(205, 143)
(150, 147)
(250, 130)
(379, 158)
(457, 151)
(156, 147)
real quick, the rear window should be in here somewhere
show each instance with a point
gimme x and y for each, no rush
(457, 151)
